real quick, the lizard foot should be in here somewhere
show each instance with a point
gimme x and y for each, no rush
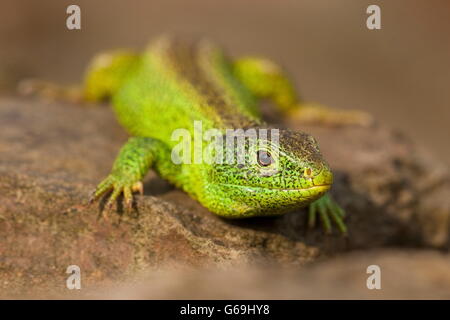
(311, 113)
(118, 185)
(328, 210)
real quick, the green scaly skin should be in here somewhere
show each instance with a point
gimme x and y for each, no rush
(174, 82)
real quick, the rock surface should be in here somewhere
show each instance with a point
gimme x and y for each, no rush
(53, 154)
(404, 275)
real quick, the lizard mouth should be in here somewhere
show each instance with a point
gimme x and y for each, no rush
(321, 187)
(318, 188)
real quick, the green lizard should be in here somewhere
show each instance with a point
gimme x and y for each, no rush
(174, 83)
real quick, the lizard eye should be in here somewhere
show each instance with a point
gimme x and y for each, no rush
(264, 158)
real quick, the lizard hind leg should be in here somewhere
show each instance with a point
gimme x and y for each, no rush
(50, 91)
(314, 113)
(266, 79)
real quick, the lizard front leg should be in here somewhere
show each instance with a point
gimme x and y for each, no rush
(328, 210)
(135, 158)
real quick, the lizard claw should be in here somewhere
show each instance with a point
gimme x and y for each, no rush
(92, 197)
(118, 186)
(138, 187)
(328, 211)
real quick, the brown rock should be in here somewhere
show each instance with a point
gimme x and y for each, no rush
(404, 275)
(53, 155)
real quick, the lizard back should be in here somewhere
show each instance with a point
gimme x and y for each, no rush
(179, 81)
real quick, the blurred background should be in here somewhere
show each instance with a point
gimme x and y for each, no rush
(400, 73)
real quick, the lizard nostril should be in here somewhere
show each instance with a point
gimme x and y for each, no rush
(307, 172)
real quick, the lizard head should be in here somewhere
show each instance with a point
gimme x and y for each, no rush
(273, 179)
